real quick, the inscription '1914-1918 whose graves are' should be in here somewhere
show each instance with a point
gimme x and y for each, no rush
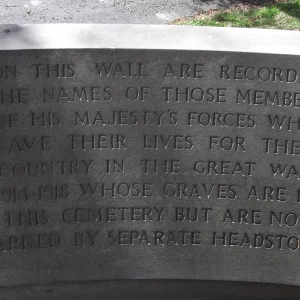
(143, 156)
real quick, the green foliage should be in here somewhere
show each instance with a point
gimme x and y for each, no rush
(281, 15)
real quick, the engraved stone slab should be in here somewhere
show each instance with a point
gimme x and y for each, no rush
(145, 152)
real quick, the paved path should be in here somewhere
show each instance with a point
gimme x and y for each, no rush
(101, 11)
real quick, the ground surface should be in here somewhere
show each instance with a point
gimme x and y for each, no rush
(276, 14)
(102, 11)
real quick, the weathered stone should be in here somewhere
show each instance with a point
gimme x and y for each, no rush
(144, 152)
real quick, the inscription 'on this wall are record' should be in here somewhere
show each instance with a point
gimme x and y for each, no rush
(149, 164)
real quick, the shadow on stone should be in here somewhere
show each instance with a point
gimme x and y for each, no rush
(153, 289)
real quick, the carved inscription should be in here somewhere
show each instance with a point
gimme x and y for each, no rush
(129, 153)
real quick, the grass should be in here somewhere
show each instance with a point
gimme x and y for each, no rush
(276, 15)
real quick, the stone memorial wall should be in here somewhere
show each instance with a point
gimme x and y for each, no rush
(177, 161)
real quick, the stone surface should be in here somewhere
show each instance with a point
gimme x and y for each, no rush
(152, 290)
(148, 152)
